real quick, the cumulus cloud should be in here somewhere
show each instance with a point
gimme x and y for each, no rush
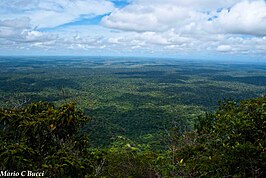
(11, 28)
(19, 30)
(151, 17)
(230, 16)
(193, 25)
(142, 15)
(201, 5)
(244, 18)
(162, 27)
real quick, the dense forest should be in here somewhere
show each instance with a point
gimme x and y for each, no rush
(231, 142)
(137, 98)
(117, 117)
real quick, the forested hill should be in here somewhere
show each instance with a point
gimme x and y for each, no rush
(40, 137)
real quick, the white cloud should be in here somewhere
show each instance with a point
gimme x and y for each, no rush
(201, 5)
(144, 15)
(224, 48)
(11, 28)
(150, 17)
(244, 18)
(193, 25)
(143, 26)
(191, 16)
(18, 31)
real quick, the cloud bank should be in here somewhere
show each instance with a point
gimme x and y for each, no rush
(169, 27)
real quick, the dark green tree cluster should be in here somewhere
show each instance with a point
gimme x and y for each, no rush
(228, 143)
(41, 137)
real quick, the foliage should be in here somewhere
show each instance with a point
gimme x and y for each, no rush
(41, 137)
(229, 143)
(127, 159)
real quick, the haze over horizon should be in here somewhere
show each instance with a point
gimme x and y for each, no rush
(230, 29)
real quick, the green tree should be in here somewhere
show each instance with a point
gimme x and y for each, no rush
(228, 143)
(42, 137)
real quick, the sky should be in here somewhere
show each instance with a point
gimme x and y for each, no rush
(164, 28)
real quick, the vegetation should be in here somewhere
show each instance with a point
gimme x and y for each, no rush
(130, 97)
(228, 143)
(136, 118)
(42, 137)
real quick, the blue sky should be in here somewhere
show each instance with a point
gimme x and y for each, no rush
(231, 29)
